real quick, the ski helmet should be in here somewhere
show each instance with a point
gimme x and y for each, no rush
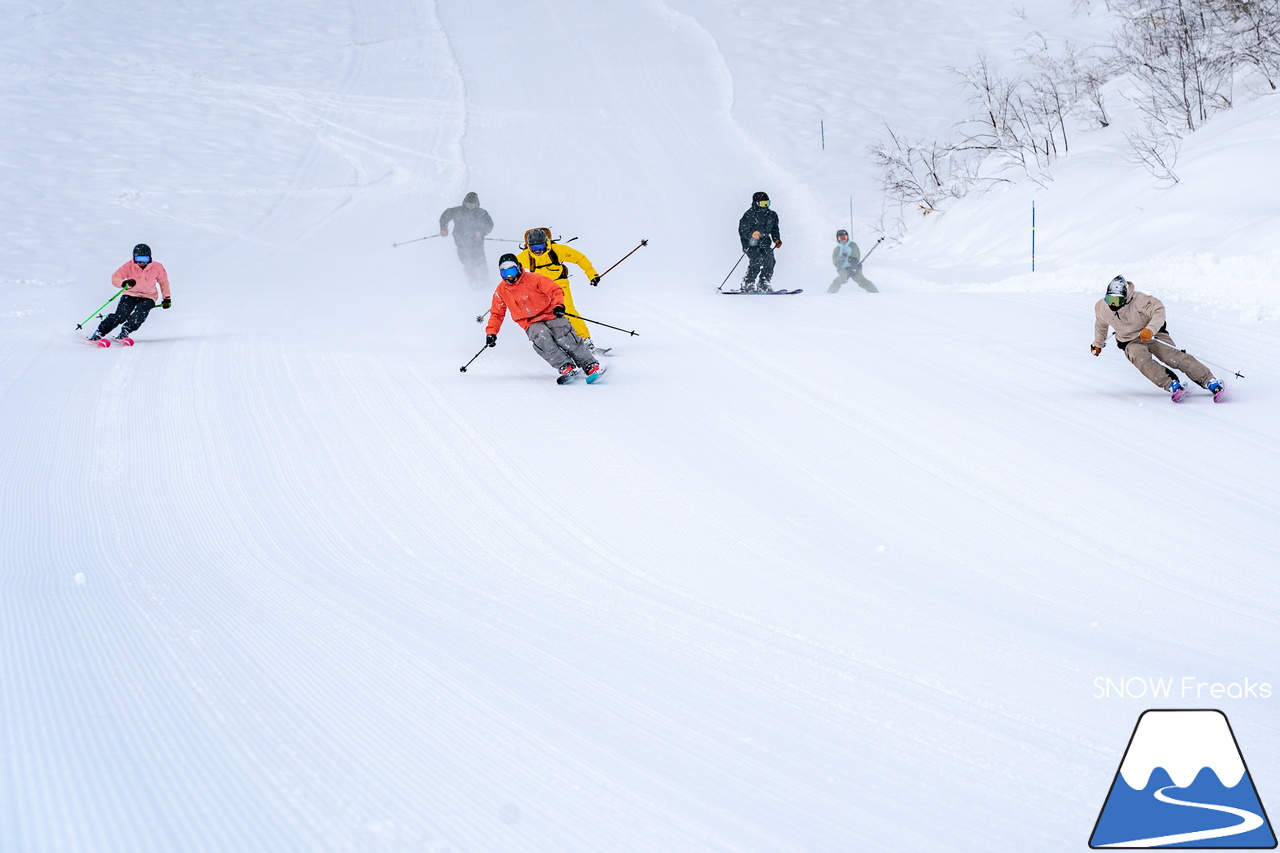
(842, 233)
(537, 240)
(471, 200)
(1118, 293)
(142, 253)
(759, 197)
(509, 267)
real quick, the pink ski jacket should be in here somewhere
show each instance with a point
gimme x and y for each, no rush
(147, 280)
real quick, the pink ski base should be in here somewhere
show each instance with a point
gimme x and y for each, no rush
(128, 342)
(1177, 396)
(100, 342)
(1220, 395)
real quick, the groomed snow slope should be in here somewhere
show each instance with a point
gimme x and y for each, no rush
(802, 573)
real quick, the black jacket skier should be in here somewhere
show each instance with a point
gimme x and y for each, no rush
(471, 223)
(759, 233)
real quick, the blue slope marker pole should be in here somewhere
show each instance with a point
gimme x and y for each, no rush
(822, 125)
(1033, 235)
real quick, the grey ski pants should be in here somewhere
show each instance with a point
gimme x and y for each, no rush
(844, 276)
(557, 342)
(1148, 355)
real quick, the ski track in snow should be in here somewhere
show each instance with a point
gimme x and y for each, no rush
(797, 575)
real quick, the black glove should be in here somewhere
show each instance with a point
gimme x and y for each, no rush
(491, 340)
(558, 310)
(595, 281)
(127, 283)
(166, 303)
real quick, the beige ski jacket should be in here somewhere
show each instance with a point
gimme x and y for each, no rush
(1143, 311)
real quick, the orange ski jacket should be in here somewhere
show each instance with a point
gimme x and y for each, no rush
(531, 298)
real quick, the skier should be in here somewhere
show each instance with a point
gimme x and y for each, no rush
(1143, 336)
(848, 263)
(471, 223)
(537, 304)
(758, 231)
(138, 280)
(544, 256)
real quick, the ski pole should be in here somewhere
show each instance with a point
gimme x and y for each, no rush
(417, 240)
(500, 240)
(480, 319)
(735, 266)
(97, 313)
(473, 358)
(858, 269)
(598, 323)
(624, 257)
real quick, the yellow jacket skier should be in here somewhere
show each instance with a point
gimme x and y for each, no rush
(548, 258)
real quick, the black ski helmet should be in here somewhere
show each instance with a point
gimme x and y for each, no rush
(471, 200)
(507, 263)
(759, 197)
(142, 250)
(1118, 293)
(537, 235)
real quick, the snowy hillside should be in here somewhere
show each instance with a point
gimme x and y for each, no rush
(811, 573)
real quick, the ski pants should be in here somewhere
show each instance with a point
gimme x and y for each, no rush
(858, 277)
(759, 263)
(579, 327)
(471, 253)
(1148, 355)
(557, 342)
(131, 312)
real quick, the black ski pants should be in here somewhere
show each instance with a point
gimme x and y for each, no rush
(759, 263)
(131, 312)
(471, 253)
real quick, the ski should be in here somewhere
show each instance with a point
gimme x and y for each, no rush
(100, 342)
(766, 292)
(1220, 395)
(592, 377)
(125, 342)
(566, 378)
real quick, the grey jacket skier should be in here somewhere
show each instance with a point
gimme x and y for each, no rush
(471, 224)
(1143, 336)
(847, 260)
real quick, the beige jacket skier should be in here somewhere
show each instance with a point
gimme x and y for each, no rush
(1142, 336)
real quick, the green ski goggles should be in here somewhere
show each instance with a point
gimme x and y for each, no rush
(1113, 300)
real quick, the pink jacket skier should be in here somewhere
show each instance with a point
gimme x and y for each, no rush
(143, 282)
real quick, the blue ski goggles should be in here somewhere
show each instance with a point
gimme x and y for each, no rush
(509, 271)
(142, 259)
(537, 248)
(1113, 300)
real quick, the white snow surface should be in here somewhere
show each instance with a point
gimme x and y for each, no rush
(811, 573)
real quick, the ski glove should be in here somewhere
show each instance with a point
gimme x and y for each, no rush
(166, 303)
(777, 244)
(127, 283)
(558, 310)
(1145, 335)
(1095, 350)
(444, 232)
(491, 340)
(595, 281)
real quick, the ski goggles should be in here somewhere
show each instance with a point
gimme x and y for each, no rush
(142, 259)
(843, 238)
(509, 271)
(470, 205)
(537, 248)
(1113, 300)
(764, 202)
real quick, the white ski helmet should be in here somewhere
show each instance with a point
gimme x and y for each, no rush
(1119, 292)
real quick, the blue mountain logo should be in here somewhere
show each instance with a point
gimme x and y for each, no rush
(1183, 783)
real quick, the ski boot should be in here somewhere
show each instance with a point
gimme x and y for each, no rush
(124, 340)
(1177, 392)
(568, 373)
(594, 372)
(765, 287)
(1217, 388)
(98, 340)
